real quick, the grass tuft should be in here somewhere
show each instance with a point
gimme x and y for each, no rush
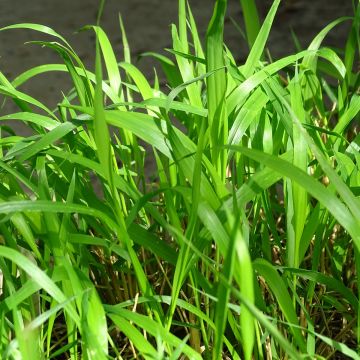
(245, 242)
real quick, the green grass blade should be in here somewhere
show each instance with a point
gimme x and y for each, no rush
(252, 21)
(140, 342)
(109, 58)
(36, 27)
(257, 47)
(18, 95)
(246, 282)
(155, 329)
(216, 87)
(282, 296)
(39, 277)
(57, 133)
(284, 343)
(313, 187)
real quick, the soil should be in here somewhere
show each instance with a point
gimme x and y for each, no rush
(147, 23)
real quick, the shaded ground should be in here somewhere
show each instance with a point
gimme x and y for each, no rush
(147, 24)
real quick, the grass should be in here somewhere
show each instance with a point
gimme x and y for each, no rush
(245, 246)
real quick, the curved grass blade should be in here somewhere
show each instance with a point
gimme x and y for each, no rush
(36, 27)
(155, 329)
(328, 281)
(46, 140)
(134, 335)
(18, 95)
(277, 286)
(37, 119)
(314, 188)
(40, 278)
(109, 57)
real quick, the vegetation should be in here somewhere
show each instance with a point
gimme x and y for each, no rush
(246, 245)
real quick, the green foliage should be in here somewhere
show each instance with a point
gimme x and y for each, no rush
(245, 245)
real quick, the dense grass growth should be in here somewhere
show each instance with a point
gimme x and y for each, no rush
(246, 245)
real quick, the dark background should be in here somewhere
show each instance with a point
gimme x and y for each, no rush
(147, 25)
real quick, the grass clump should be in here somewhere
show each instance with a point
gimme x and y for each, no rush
(246, 246)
